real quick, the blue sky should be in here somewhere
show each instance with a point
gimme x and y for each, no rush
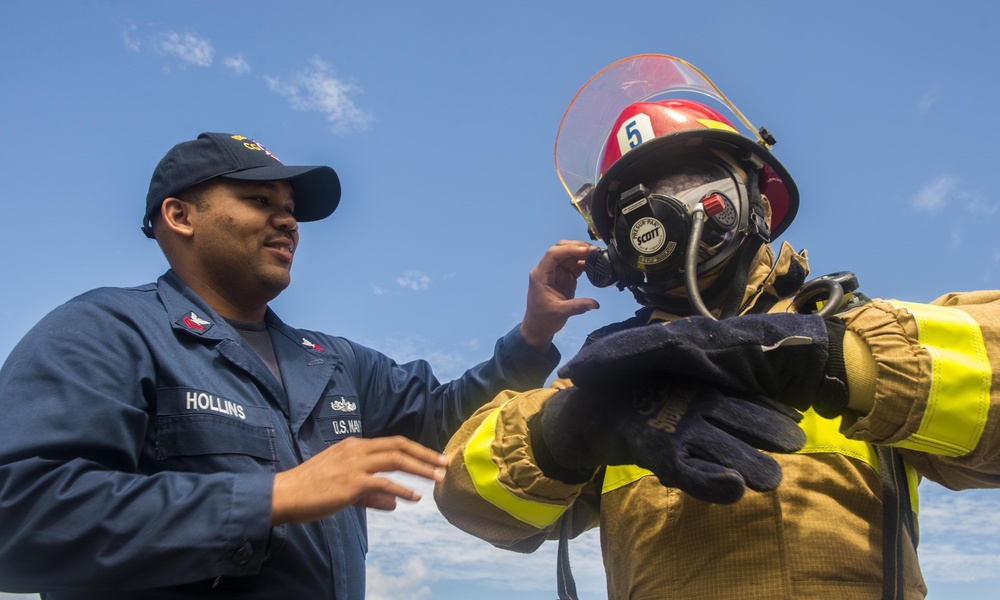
(440, 118)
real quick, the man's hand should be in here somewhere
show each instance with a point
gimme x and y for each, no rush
(348, 473)
(691, 437)
(552, 293)
(792, 358)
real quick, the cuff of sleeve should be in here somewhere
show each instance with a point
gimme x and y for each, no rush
(899, 385)
(860, 367)
(520, 468)
(249, 528)
(544, 459)
(526, 359)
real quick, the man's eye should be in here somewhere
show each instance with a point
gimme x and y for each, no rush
(262, 200)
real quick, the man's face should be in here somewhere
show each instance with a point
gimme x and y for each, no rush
(244, 239)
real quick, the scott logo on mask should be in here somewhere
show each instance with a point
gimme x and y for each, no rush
(647, 235)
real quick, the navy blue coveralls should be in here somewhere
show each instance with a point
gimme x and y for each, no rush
(140, 435)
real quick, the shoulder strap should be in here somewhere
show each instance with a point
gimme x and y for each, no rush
(897, 513)
(564, 574)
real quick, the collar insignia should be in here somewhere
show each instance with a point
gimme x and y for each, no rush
(309, 344)
(193, 322)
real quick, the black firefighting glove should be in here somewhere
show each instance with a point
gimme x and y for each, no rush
(692, 437)
(795, 359)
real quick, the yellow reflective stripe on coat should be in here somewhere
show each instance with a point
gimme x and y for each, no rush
(618, 476)
(961, 377)
(485, 476)
(822, 437)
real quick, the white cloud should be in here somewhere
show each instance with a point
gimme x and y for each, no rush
(418, 529)
(953, 563)
(936, 194)
(237, 64)
(188, 47)
(314, 89)
(957, 234)
(973, 512)
(415, 280)
(318, 89)
(408, 585)
(929, 99)
(128, 37)
(960, 534)
(447, 364)
(948, 192)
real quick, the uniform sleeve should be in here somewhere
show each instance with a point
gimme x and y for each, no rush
(76, 509)
(935, 395)
(494, 490)
(408, 400)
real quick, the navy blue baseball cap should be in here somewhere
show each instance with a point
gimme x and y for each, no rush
(316, 189)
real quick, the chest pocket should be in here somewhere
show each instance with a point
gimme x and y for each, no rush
(202, 432)
(338, 417)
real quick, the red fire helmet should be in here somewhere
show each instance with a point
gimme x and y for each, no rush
(649, 109)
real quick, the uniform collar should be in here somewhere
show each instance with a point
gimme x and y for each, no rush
(188, 312)
(305, 340)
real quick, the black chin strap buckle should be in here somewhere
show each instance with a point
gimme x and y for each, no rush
(758, 226)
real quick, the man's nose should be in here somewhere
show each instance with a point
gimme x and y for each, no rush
(285, 220)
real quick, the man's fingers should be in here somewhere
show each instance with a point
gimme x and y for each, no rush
(351, 472)
(565, 252)
(377, 501)
(578, 306)
(382, 487)
(402, 447)
(404, 463)
(405, 456)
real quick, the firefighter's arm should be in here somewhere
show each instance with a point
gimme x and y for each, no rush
(494, 490)
(920, 378)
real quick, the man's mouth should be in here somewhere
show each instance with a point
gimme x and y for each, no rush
(282, 244)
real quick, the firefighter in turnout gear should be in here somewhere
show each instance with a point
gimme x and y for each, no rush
(652, 430)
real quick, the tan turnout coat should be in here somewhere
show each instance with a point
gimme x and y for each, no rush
(819, 535)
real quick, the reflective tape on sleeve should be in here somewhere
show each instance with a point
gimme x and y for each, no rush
(485, 476)
(959, 397)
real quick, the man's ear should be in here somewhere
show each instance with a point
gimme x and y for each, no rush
(176, 216)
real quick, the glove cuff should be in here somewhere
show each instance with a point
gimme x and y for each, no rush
(557, 423)
(834, 391)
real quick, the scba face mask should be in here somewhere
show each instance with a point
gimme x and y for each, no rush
(653, 224)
